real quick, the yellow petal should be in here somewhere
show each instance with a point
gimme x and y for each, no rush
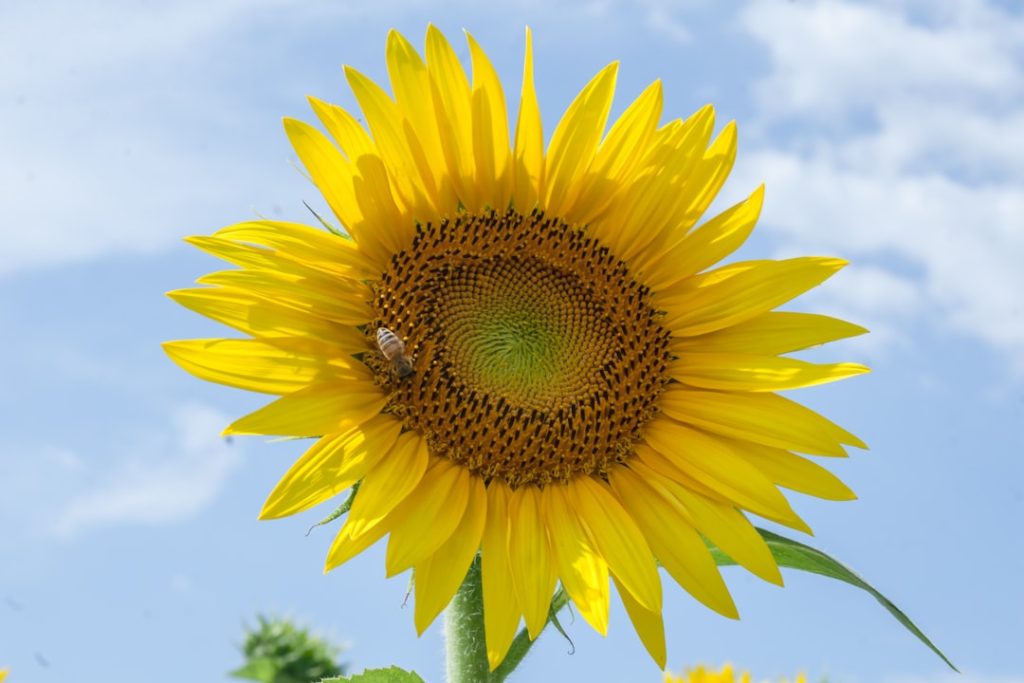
(584, 573)
(345, 547)
(748, 372)
(645, 219)
(762, 418)
(771, 333)
(413, 93)
(350, 135)
(428, 516)
(272, 366)
(716, 465)
(261, 258)
(302, 244)
(401, 153)
(683, 139)
(793, 472)
(388, 483)
(501, 611)
(618, 539)
(707, 245)
(490, 131)
(671, 536)
(533, 571)
(575, 141)
(529, 143)
(320, 409)
(259, 317)
(440, 575)
(674, 469)
(626, 142)
(620, 152)
(648, 624)
(343, 301)
(331, 465)
(708, 177)
(727, 528)
(454, 113)
(710, 302)
(335, 177)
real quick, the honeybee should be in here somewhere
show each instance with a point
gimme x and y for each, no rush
(393, 349)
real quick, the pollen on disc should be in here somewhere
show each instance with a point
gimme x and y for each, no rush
(537, 357)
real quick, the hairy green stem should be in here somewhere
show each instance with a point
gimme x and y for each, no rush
(464, 631)
(465, 648)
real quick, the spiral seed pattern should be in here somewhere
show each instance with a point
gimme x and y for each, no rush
(536, 356)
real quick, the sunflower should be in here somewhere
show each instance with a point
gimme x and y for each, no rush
(726, 675)
(587, 398)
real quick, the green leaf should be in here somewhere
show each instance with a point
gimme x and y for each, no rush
(795, 555)
(262, 670)
(390, 675)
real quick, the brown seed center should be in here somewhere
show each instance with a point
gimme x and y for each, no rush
(536, 356)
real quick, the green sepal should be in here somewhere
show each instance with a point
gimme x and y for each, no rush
(796, 555)
(338, 511)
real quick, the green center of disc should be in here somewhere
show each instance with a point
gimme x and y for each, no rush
(523, 330)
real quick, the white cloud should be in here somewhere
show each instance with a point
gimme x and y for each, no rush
(662, 18)
(908, 157)
(160, 488)
(129, 130)
(836, 58)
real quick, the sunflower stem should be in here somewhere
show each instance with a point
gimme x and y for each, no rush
(465, 649)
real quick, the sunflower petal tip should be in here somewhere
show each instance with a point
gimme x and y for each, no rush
(266, 512)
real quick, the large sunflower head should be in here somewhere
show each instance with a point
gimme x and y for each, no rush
(521, 351)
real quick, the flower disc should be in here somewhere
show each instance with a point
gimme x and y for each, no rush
(537, 356)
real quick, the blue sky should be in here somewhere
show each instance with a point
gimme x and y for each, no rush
(889, 133)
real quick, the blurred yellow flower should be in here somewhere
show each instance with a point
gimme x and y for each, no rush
(726, 675)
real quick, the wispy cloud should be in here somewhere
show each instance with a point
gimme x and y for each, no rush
(169, 486)
(130, 128)
(909, 156)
